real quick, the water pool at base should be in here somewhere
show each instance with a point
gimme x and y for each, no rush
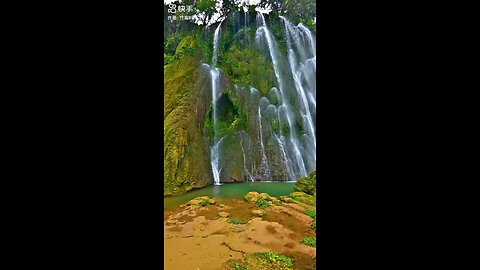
(232, 191)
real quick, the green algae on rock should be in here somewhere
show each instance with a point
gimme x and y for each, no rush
(307, 184)
(303, 197)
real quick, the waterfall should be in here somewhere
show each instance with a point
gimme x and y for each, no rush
(215, 80)
(264, 156)
(310, 39)
(248, 174)
(215, 75)
(305, 109)
(215, 44)
(214, 159)
(278, 141)
(274, 54)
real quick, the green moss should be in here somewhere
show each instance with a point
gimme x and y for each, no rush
(234, 220)
(274, 260)
(261, 261)
(304, 198)
(204, 203)
(186, 47)
(167, 59)
(310, 241)
(185, 157)
(307, 184)
(231, 115)
(262, 203)
(204, 42)
(311, 213)
(278, 128)
(237, 265)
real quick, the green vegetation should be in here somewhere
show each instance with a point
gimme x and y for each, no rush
(232, 116)
(248, 67)
(204, 203)
(185, 157)
(262, 203)
(307, 184)
(274, 260)
(310, 241)
(278, 128)
(303, 197)
(237, 265)
(241, 266)
(278, 203)
(311, 213)
(261, 261)
(235, 220)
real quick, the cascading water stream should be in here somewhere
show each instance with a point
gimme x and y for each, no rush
(263, 31)
(248, 174)
(307, 116)
(214, 162)
(215, 44)
(285, 151)
(264, 156)
(310, 39)
(215, 78)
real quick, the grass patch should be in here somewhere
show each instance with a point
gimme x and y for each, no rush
(234, 220)
(237, 265)
(262, 203)
(310, 241)
(274, 259)
(311, 213)
(314, 224)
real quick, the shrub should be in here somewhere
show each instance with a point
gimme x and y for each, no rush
(310, 241)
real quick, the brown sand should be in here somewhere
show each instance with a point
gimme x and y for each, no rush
(199, 239)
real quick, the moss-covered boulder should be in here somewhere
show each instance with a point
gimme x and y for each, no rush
(303, 197)
(252, 196)
(307, 184)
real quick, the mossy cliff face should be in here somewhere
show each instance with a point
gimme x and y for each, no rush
(186, 161)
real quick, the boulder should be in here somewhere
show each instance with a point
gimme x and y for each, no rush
(259, 213)
(307, 184)
(223, 214)
(252, 196)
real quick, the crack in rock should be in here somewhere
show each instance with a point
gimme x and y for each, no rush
(229, 247)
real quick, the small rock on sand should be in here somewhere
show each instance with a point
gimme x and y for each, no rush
(259, 213)
(223, 214)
